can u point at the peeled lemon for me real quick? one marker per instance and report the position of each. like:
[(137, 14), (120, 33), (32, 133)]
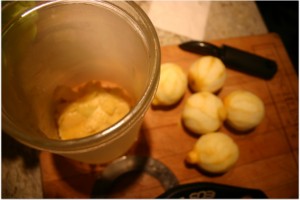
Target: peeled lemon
[(203, 112), (245, 110), (91, 110), (207, 74), (214, 152), (172, 85)]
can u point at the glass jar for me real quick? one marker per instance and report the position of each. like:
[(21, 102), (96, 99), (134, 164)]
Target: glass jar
[(49, 44)]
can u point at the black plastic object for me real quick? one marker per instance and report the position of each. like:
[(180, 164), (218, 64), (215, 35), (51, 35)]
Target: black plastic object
[(235, 58), (205, 190)]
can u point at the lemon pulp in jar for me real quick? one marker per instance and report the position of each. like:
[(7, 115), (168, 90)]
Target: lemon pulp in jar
[(89, 109)]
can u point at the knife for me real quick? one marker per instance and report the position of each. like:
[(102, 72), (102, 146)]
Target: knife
[(235, 59)]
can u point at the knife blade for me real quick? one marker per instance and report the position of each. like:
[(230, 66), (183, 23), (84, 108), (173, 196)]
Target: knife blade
[(235, 59)]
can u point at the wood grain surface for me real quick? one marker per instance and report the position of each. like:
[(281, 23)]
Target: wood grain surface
[(268, 154)]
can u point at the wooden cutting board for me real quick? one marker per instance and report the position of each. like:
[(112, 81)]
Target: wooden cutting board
[(268, 155)]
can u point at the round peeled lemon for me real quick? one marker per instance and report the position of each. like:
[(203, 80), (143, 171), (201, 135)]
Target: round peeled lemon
[(90, 110), (245, 110), (172, 85), (214, 152), (203, 112), (207, 74)]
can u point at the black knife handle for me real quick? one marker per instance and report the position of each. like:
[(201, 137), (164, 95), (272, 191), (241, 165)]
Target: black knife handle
[(248, 63), (204, 190)]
